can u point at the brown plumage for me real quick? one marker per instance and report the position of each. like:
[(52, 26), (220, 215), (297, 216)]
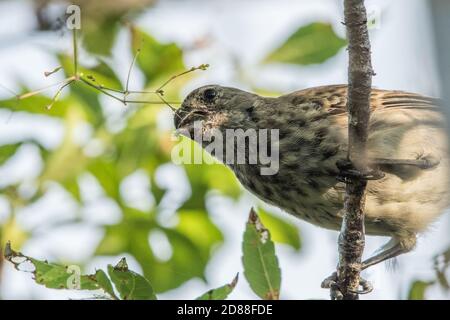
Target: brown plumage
[(407, 140)]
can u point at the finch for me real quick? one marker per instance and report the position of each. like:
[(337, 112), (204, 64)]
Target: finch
[(407, 141)]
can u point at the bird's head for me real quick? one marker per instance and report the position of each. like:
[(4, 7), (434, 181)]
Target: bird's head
[(218, 108)]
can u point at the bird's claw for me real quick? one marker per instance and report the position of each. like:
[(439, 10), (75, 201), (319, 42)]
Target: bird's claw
[(347, 172), (331, 283), (366, 287)]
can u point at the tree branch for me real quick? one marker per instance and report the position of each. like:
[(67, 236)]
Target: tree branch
[(351, 238)]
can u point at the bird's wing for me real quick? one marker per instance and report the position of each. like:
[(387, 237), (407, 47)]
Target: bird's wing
[(333, 99), (393, 114)]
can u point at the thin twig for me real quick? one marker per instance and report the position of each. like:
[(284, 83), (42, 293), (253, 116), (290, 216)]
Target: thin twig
[(99, 88), (91, 82), (200, 67), (131, 69), (122, 100), (167, 103), (38, 91), (49, 73), (58, 93), (127, 92)]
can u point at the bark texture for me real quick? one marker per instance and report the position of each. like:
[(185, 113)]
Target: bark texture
[(351, 239)]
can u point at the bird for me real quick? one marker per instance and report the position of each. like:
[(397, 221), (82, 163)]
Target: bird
[(407, 142)]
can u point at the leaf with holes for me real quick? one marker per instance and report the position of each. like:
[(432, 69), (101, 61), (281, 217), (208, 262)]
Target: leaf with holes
[(129, 284), (261, 267), (55, 276), (282, 230), (220, 293)]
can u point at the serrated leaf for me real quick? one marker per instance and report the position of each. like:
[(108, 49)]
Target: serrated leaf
[(310, 44), (55, 276), (220, 293), (281, 230), (129, 284), (261, 267), (105, 283)]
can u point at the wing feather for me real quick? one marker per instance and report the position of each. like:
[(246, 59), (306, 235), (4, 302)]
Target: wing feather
[(333, 99)]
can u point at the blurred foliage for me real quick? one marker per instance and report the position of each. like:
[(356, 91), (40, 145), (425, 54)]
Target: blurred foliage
[(101, 20), (442, 267), (310, 44), (7, 151), (418, 289), (140, 145), (156, 60)]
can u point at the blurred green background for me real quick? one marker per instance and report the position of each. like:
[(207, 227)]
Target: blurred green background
[(121, 155)]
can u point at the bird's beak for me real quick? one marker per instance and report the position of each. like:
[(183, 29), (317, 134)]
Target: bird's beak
[(177, 117), (184, 119), (180, 121)]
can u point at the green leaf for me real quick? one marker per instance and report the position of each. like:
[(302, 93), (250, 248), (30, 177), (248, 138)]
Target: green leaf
[(260, 262), (65, 163), (220, 293), (106, 173), (418, 289), (105, 283), (197, 226), (99, 35), (156, 60), (310, 44), (7, 151), (57, 276), (100, 74), (129, 284), (282, 231)]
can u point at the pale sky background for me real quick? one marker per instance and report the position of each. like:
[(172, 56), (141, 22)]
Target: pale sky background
[(245, 31)]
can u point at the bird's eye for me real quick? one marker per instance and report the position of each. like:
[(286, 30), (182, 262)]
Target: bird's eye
[(209, 94)]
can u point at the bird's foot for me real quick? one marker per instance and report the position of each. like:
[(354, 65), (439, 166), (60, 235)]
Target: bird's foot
[(347, 172), (331, 283)]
